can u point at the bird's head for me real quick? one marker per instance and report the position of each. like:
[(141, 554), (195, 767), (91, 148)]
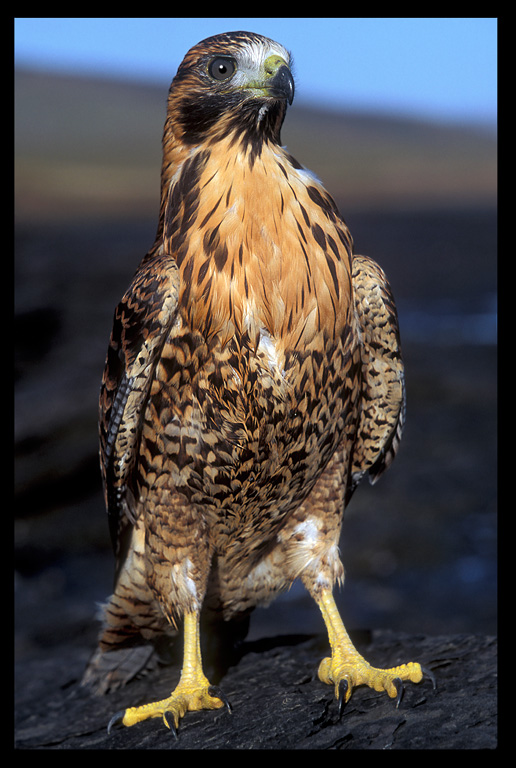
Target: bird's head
[(234, 82)]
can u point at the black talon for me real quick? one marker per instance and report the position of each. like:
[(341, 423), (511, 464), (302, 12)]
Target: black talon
[(117, 718), (431, 675), (217, 693), (398, 684), (343, 688), (170, 725)]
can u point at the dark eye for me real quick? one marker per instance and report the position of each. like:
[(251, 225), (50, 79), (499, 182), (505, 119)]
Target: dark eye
[(222, 68)]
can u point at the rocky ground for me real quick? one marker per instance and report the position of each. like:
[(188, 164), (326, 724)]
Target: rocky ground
[(277, 701)]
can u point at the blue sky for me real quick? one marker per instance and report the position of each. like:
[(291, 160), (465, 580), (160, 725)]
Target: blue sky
[(443, 68)]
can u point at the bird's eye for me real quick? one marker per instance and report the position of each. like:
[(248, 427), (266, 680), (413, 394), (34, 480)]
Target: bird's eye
[(222, 68)]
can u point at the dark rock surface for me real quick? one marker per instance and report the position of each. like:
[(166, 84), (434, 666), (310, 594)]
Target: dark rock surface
[(278, 701)]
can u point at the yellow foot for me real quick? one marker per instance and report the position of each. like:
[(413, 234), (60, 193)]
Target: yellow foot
[(355, 670), (347, 668), (185, 698), (192, 694)]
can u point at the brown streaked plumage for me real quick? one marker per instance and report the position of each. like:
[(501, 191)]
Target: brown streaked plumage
[(253, 377)]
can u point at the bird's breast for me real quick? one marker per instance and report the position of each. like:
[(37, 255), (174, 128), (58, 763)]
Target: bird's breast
[(254, 383), (259, 245)]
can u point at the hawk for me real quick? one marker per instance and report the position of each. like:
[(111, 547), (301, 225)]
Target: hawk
[(253, 377)]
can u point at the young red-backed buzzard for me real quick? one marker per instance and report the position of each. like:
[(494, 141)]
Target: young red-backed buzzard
[(253, 377)]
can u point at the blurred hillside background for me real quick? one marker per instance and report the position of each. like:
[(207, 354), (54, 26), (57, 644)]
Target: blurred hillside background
[(418, 192)]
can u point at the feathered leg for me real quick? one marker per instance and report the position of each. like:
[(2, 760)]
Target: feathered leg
[(313, 548), (177, 562)]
